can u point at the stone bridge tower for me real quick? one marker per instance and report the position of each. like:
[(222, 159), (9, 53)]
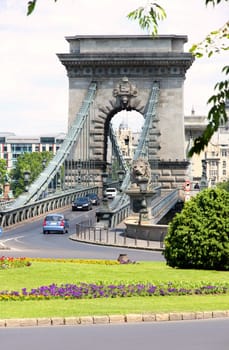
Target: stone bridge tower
[(125, 68)]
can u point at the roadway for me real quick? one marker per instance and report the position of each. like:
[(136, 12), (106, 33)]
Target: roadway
[(28, 240), (189, 335)]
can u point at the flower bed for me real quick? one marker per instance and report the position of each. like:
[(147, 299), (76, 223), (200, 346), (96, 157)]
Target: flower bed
[(10, 262), (92, 291)]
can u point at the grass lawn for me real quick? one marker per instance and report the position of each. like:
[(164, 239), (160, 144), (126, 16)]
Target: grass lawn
[(46, 273)]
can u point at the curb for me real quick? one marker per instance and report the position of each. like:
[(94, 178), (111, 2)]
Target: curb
[(127, 246), (112, 319)]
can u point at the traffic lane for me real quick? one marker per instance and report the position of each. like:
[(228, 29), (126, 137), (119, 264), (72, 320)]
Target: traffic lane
[(30, 235), (189, 335), (28, 240)]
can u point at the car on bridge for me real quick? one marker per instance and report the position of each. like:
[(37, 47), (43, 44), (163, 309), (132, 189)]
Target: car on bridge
[(82, 203), (110, 192), (55, 223), (94, 198)]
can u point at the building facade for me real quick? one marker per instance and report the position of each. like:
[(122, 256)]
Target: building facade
[(12, 146), (215, 155)]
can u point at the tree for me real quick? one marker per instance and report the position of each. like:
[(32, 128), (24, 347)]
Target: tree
[(32, 163), (148, 18), (3, 174), (198, 237), (223, 185)]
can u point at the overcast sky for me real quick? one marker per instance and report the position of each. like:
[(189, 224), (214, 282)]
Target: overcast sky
[(34, 85)]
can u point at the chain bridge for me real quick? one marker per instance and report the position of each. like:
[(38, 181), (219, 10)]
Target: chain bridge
[(109, 74)]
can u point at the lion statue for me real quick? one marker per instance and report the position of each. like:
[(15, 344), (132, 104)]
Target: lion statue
[(140, 169)]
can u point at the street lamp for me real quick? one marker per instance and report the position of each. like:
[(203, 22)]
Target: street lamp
[(104, 180), (44, 163), (26, 179), (120, 177), (203, 180), (143, 213), (79, 172)]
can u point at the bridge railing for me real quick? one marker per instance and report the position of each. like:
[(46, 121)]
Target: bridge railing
[(162, 205), (112, 216), (13, 216)]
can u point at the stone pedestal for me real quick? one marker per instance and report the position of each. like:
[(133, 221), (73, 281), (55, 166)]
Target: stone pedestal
[(136, 198), (6, 191), (146, 231)]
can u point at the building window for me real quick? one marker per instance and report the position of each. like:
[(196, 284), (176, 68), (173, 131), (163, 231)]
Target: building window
[(213, 173), (224, 153), (213, 163), (224, 164)]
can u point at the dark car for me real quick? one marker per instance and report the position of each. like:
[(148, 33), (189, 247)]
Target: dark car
[(93, 197), (55, 223), (82, 203)]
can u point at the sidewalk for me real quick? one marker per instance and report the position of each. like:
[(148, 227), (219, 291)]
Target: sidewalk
[(115, 237)]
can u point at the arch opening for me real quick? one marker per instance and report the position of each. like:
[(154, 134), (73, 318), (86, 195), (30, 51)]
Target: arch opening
[(127, 125)]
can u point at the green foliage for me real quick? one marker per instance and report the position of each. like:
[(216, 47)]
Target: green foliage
[(198, 237), (148, 17), (31, 162), (3, 171), (215, 42), (216, 116), (224, 185), (31, 6)]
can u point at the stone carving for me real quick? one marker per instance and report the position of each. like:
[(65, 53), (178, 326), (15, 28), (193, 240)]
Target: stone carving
[(124, 91), (140, 170)]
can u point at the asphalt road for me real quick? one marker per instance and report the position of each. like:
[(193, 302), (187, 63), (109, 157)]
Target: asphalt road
[(28, 240), (189, 335)]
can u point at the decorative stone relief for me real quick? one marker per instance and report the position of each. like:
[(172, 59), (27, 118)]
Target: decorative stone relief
[(123, 92)]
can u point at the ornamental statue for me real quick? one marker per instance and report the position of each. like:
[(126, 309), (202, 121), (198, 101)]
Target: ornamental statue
[(123, 92)]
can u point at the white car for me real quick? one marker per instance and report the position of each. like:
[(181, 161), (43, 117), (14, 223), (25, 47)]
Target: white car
[(111, 192)]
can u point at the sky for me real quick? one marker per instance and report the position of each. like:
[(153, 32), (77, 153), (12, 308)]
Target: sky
[(34, 84)]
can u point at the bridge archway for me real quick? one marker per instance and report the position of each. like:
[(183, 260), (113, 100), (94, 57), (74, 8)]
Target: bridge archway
[(124, 68)]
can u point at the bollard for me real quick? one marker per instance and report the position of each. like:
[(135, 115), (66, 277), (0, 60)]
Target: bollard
[(162, 240)]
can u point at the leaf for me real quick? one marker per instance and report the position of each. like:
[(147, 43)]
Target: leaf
[(31, 7)]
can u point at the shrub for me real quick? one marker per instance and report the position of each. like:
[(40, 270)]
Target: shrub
[(198, 237)]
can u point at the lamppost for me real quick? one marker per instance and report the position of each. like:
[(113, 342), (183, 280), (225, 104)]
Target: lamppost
[(104, 180), (143, 213), (203, 180), (120, 177), (79, 172), (105, 200), (26, 179), (44, 163)]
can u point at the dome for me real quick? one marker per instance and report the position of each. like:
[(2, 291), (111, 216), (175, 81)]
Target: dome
[(123, 125)]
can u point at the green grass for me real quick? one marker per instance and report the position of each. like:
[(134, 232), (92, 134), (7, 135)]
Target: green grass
[(44, 273)]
